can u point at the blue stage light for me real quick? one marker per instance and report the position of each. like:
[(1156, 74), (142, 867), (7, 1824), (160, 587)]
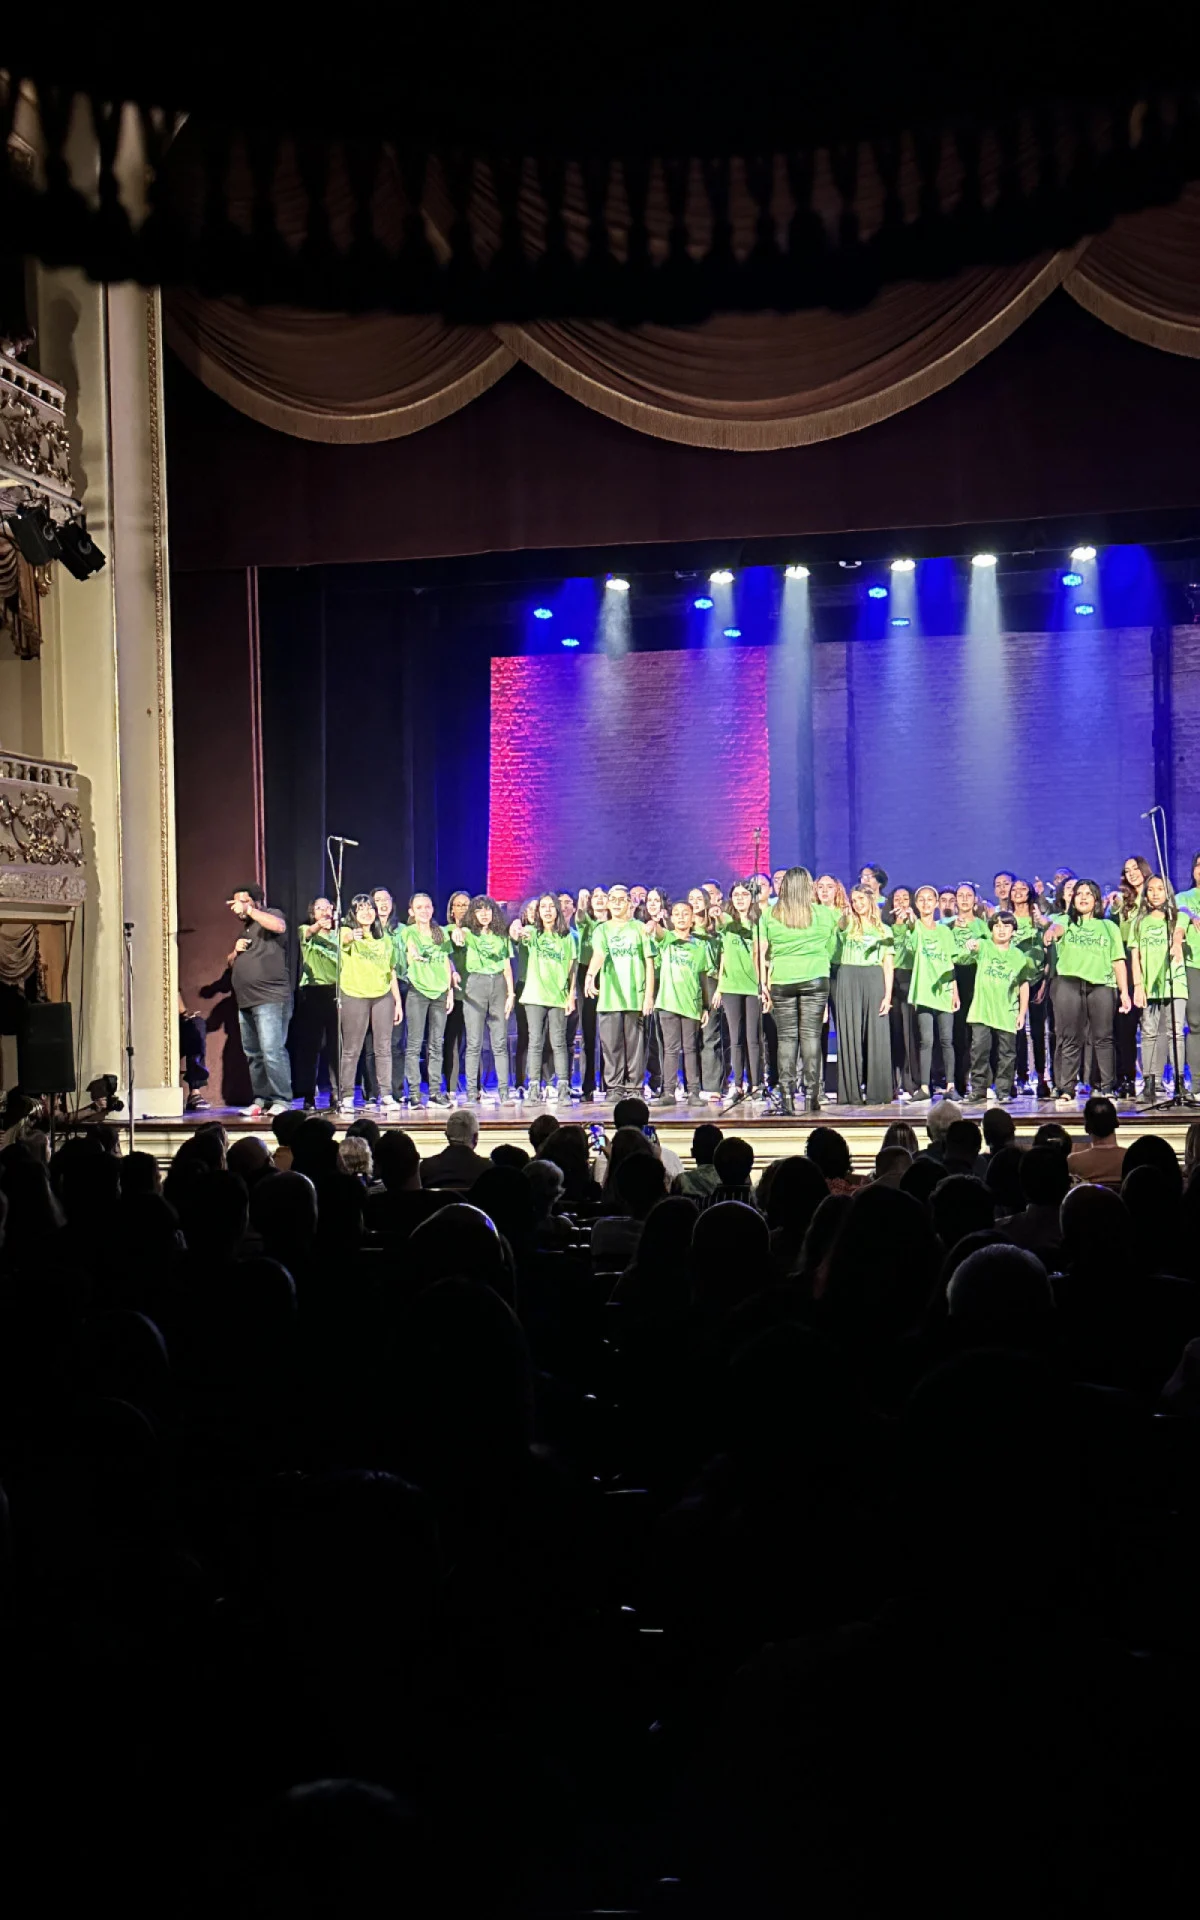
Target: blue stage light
[(617, 583), (721, 577), (877, 593), (702, 604), (904, 566), (901, 620), (1072, 579), (1083, 553), (542, 613), (798, 572), (1085, 606), (733, 633), (568, 642)]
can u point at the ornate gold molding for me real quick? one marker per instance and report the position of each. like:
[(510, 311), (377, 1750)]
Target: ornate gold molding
[(170, 1027), (41, 833)]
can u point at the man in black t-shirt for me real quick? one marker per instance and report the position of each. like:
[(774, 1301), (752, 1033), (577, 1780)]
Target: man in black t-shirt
[(262, 987)]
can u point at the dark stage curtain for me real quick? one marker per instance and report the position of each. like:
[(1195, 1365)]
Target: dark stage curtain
[(375, 725)]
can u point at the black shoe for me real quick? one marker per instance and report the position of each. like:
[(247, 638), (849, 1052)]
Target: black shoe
[(1149, 1092), (786, 1102), (813, 1103), (440, 1100)]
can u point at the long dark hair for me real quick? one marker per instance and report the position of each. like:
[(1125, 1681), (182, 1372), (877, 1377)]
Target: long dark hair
[(736, 923), (435, 931), (1169, 910), (1130, 894), (560, 926), (352, 920), (499, 923), (1073, 913)]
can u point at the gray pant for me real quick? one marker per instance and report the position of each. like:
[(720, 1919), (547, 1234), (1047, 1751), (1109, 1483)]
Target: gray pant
[(483, 1005), (357, 1016), (1193, 1024), (538, 1019), (864, 1038), (1156, 1037)]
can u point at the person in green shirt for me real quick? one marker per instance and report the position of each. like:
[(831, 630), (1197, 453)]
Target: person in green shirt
[(739, 994), (998, 1007), (707, 919), (863, 1003), (933, 989), (970, 932), (315, 1025), (518, 922), (1189, 902), (680, 960), (370, 999), (655, 912), (483, 945), (385, 912), (905, 1050), (431, 978), (1158, 929), (590, 911), (548, 993), (800, 934), (454, 1040), (1124, 904), (1090, 955), (620, 977), (1056, 917), (1031, 925)]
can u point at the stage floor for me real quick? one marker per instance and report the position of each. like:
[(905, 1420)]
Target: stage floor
[(773, 1134)]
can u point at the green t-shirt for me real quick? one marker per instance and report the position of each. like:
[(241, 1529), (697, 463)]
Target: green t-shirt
[(1190, 898), (549, 958), (1030, 938), (737, 951), (996, 999), (932, 981), (801, 953), (681, 961), (367, 966), (1087, 951), (623, 946), (427, 961), (902, 944), (585, 927), (1151, 939), (483, 952), (318, 958), (974, 930), (865, 949)]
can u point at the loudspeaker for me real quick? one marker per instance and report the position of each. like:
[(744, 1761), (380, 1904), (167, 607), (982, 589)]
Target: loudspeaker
[(46, 1048), (78, 551), (33, 531)]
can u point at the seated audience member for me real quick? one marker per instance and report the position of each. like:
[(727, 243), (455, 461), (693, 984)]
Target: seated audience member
[(920, 1180), (1103, 1159), (901, 1134), (703, 1177), (640, 1181), (891, 1165), (354, 1158), (942, 1116), (1154, 1199), (401, 1202), (632, 1112), (1002, 1177), (285, 1126), (460, 1239), (569, 1150), (250, 1158), (314, 1147), (960, 1205), (1045, 1182), (730, 1257), (733, 1163), (139, 1174), (507, 1155), (1191, 1153), (541, 1128), (657, 1283), (961, 1147), (1000, 1296), (999, 1130), (1151, 1150), (458, 1166), (796, 1191), (827, 1149), (1052, 1133), (546, 1183)]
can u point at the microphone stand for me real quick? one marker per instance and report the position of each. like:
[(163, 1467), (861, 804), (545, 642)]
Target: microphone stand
[(128, 925), (339, 841), (1177, 1098), (762, 1018)]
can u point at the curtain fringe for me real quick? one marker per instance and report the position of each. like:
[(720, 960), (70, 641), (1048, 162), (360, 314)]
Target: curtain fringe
[(1152, 330)]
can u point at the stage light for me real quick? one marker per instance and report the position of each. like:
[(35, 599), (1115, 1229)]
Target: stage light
[(901, 620), (983, 559), (616, 583), (568, 641), (78, 551), (798, 573), (721, 577), (849, 564), (1072, 579), (904, 566), (1083, 553), (877, 593), (733, 633), (1085, 606), (702, 603), (542, 613)]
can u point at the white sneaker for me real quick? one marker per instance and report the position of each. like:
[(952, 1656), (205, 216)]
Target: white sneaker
[(280, 1106), (489, 1099), (680, 1092), (388, 1103), (255, 1112), (552, 1092), (902, 1094), (992, 1097), (347, 1106)]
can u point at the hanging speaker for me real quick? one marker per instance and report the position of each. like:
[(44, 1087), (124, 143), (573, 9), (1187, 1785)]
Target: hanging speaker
[(46, 1048)]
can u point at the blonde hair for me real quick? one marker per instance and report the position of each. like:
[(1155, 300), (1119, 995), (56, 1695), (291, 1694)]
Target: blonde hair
[(860, 921), (354, 1156)]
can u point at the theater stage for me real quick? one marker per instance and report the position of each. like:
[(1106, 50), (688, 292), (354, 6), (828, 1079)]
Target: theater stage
[(772, 1134)]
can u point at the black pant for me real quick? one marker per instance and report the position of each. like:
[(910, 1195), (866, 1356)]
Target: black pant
[(370, 1080), (1040, 1032), (982, 1039), (1081, 1005), (1192, 1049), (799, 1017), (587, 1024), (680, 1037), (927, 1019), (454, 1047), (553, 1019), (359, 1015), (771, 1048), (712, 1042), (426, 1022), (864, 1038), (314, 1031), (654, 1054), (743, 1011), (961, 1062), (623, 1051), (904, 1032), (193, 1045), (1125, 1039), (483, 1004)]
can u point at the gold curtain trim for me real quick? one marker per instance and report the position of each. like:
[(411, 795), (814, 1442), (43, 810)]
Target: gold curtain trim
[(1151, 329), (798, 430), (334, 429)]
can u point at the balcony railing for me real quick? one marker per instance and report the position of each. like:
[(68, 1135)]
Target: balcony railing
[(41, 840)]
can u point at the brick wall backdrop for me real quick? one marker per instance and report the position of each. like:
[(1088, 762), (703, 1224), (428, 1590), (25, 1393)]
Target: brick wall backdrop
[(642, 766)]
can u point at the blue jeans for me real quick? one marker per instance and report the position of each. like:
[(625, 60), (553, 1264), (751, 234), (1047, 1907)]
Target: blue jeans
[(264, 1030)]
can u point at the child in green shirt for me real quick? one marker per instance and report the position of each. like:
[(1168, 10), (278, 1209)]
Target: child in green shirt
[(681, 959), (998, 1007), (1158, 930), (315, 1027), (482, 942), (430, 998), (548, 993), (370, 999)]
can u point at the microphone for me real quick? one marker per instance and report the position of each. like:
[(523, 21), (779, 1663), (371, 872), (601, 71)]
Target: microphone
[(1150, 813), (342, 840)]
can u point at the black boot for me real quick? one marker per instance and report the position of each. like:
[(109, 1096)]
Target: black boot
[(1149, 1091), (787, 1103)]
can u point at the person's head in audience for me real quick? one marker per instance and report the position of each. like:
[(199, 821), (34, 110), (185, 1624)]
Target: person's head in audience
[(625, 1142), (546, 1184), (211, 1130), (901, 1134), (364, 1128), (961, 1204), (250, 1159), (921, 1178), (796, 1191), (460, 1239), (1052, 1133), (731, 1246), (942, 1116), (640, 1181), (869, 1295), (1100, 1119), (314, 1147), (462, 1127), (1151, 1150), (1044, 1176), (287, 1124), (1153, 1198), (827, 1149), (398, 1163), (631, 1112), (891, 1165), (214, 1215), (354, 1157), (34, 1213), (504, 1195), (824, 1228), (508, 1155), (996, 1289), (734, 1161), (283, 1212), (462, 1384), (705, 1141), (569, 1149), (341, 1198), (540, 1129), (1191, 1153), (1002, 1178), (999, 1129), (140, 1174), (962, 1146), (1097, 1232)]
